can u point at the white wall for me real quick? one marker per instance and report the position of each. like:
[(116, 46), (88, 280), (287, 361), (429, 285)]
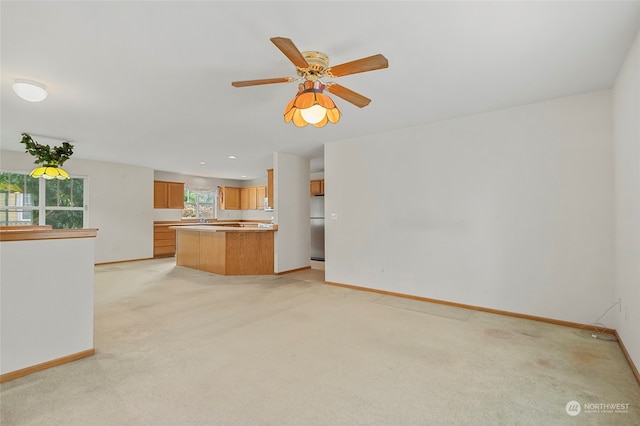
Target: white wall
[(120, 204), (46, 303), (510, 210), (626, 108), (291, 193)]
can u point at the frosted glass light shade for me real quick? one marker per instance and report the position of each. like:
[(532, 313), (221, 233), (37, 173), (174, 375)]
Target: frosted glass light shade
[(314, 114), (30, 90)]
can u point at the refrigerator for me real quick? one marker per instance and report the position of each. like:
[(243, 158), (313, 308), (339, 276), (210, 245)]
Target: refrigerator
[(317, 227)]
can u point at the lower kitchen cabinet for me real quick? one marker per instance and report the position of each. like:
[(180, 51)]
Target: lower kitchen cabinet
[(164, 241)]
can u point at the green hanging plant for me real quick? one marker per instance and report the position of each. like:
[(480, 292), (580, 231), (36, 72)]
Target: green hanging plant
[(44, 154)]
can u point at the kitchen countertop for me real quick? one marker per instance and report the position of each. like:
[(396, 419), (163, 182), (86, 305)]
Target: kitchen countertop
[(43, 233), (226, 227), (214, 223)]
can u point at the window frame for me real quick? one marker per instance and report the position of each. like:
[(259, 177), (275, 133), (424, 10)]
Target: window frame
[(42, 208), (197, 203)]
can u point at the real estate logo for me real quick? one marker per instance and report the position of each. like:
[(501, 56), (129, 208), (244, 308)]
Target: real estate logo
[(573, 408)]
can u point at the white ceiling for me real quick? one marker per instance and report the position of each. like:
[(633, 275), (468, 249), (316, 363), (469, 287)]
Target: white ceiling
[(149, 83)]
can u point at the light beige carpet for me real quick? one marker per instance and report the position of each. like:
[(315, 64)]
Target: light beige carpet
[(177, 346)]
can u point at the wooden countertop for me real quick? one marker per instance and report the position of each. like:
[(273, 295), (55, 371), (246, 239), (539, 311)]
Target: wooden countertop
[(46, 234)]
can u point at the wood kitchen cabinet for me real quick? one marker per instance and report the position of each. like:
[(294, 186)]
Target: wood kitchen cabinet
[(261, 193), (229, 198), (244, 198), (270, 198), (248, 198), (226, 251), (317, 187), (168, 195), (164, 241), (253, 202)]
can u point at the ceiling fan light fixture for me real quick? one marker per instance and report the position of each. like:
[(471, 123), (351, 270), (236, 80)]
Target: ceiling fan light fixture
[(311, 106), (30, 90)]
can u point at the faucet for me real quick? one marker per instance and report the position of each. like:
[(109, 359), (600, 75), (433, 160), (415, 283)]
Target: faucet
[(203, 220)]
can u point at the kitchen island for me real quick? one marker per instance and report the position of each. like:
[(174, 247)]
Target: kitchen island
[(226, 249)]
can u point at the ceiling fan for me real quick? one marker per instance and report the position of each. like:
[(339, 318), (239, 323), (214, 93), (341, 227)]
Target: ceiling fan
[(312, 66)]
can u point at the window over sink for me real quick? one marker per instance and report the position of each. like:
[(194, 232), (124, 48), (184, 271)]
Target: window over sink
[(198, 204)]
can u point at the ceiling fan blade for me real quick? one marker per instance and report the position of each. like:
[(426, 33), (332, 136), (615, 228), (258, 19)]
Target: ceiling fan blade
[(348, 95), (370, 63), (263, 81), (290, 51)]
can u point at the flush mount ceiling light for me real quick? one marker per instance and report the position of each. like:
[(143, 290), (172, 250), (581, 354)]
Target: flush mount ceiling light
[(311, 106), (30, 90)]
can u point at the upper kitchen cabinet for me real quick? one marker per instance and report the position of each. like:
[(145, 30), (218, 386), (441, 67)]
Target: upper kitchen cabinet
[(251, 198), (261, 194), (248, 198), (168, 195), (270, 197), (317, 187), (244, 198), (251, 195), (229, 198)]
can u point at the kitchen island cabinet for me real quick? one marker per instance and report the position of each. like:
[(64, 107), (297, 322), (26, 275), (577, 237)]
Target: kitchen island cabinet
[(226, 250)]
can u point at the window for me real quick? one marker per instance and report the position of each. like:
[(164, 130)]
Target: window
[(198, 204), (28, 201)]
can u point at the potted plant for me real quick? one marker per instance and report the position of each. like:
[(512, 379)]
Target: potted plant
[(51, 159)]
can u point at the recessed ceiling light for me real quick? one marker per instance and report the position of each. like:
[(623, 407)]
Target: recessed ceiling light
[(30, 90), (202, 163), (231, 157), (243, 176)]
